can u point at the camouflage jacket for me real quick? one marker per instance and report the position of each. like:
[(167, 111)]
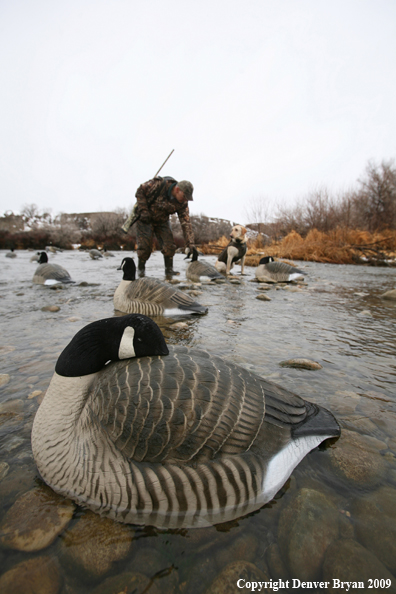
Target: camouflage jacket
[(154, 197)]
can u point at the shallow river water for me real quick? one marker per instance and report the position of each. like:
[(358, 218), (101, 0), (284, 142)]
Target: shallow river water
[(335, 519)]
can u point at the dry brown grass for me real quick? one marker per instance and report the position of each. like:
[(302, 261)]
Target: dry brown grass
[(340, 246)]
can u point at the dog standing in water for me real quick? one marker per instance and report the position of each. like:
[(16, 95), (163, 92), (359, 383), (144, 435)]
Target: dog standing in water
[(235, 251)]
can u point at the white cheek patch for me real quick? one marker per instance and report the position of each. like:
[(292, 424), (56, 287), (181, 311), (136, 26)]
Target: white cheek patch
[(126, 350)]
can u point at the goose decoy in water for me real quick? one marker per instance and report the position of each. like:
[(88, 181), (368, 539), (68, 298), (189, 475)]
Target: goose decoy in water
[(279, 272), (95, 254), (185, 439), (107, 254), (199, 270), (11, 254), (150, 296), (50, 274)]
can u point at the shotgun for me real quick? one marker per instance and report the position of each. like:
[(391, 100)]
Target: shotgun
[(134, 216)]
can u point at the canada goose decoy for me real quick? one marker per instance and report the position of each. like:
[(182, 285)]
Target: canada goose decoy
[(279, 272), (183, 440), (199, 270), (150, 296), (50, 274), (95, 254), (11, 254), (107, 254)]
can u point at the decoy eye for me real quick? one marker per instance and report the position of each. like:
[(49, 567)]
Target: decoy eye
[(139, 340)]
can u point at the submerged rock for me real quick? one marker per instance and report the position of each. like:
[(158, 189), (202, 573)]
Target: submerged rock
[(94, 544), (301, 364), (375, 524), (391, 295), (50, 308), (348, 561), (263, 297), (307, 526), (127, 583), (35, 520), (39, 575), (226, 581), (4, 379), (354, 459)]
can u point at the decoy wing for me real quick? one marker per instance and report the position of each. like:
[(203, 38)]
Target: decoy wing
[(282, 268), (147, 290), (186, 407), (51, 272)]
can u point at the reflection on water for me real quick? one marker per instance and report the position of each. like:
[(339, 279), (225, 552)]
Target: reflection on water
[(339, 502)]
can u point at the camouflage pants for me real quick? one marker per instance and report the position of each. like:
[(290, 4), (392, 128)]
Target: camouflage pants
[(145, 236)]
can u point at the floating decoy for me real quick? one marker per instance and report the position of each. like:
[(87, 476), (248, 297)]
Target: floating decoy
[(11, 254), (198, 270), (150, 296), (167, 436), (279, 272), (50, 274), (95, 254)]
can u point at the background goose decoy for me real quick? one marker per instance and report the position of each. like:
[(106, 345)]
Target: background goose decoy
[(184, 439), (150, 296), (279, 272), (11, 254), (35, 257), (198, 270), (50, 274), (95, 254)]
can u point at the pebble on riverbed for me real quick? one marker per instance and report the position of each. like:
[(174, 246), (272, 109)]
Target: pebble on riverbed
[(391, 295), (263, 297), (39, 575), (94, 544), (52, 308), (226, 580), (35, 520), (375, 524), (301, 364), (307, 526), (4, 379), (351, 562), (355, 458)]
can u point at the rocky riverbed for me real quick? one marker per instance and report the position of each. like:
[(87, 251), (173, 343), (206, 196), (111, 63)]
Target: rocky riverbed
[(335, 517)]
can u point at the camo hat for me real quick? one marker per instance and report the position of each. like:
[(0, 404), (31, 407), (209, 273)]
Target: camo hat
[(187, 188)]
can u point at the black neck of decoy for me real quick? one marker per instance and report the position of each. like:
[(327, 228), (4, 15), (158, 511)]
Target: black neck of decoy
[(128, 267), (43, 258)]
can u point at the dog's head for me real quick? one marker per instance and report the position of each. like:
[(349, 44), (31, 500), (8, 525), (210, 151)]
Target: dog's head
[(238, 233)]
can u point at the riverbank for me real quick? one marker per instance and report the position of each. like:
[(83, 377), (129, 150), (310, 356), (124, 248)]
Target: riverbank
[(341, 246)]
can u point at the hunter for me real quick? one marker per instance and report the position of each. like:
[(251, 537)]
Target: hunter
[(156, 200)]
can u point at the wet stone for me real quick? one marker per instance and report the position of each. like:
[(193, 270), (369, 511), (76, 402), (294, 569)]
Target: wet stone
[(307, 526), (375, 524), (349, 561), (263, 297), (34, 394), (39, 575), (52, 308), (201, 575), (226, 581), (127, 583), (180, 325), (275, 563), (4, 468), (390, 295), (35, 520), (243, 548), (94, 544), (301, 364), (4, 379), (355, 459)]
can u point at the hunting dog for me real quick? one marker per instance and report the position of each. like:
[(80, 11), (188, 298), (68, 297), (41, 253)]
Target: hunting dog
[(235, 251)]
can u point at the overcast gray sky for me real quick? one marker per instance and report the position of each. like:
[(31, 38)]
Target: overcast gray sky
[(259, 99)]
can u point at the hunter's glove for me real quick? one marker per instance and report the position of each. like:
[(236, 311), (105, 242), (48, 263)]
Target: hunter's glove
[(145, 217)]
